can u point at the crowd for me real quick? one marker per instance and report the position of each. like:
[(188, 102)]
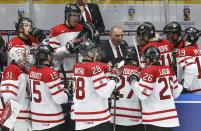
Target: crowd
[(73, 80)]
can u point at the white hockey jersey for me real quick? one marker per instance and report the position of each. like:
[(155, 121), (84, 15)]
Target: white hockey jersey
[(189, 69), (47, 94), (14, 86), (157, 88), (128, 111), (92, 90), (59, 36)]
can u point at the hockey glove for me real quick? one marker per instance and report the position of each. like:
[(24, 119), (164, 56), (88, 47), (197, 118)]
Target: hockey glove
[(38, 33), (114, 77), (90, 30), (115, 61), (115, 94), (73, 45), (133, 77), (68, 85)]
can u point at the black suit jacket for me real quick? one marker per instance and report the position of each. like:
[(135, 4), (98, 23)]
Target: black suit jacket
[(96, 17), (108, 52)]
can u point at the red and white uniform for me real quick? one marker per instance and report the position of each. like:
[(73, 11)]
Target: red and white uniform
[(92, 90), (47, 94), (128, 111), (59, 36), (157, 88), (14, 86), (165, 48), (189, 69)]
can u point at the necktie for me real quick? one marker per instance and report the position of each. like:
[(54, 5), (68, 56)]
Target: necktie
[(118, 51), (88, 18)]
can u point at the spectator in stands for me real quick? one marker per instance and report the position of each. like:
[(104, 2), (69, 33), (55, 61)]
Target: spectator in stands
[(91, 13), (115, 47), (14, 85)]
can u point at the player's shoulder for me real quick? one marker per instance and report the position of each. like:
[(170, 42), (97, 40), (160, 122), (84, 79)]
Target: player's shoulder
[(12, 71), (45, 74), (131, 69), (188, 51), (16, 41), (78, 27), (56, 30)]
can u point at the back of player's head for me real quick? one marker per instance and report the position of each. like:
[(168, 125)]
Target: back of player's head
[(146, 29), (71, 9), (191, 35), (22, 21), (90, 49), (173, 27), (131, 56), (19, 55), (152, 53), (43, 53)]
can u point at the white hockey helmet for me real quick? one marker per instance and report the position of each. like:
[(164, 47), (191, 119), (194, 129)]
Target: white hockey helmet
[(20, 55)]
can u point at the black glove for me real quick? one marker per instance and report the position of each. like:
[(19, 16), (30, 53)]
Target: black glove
[(115, 94), (133, 77), (2, 44), (38, 33), (91, 31), (114, 61), (73, 45), (68, 85), (114, 77)]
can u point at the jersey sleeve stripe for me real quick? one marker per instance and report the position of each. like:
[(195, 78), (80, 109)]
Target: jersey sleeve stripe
[(193, 90), (53, 42), (41, 114), (98, 119), (185, 59), (188, 65), (98, 79), (145, 94), (7, 84), (100, 86), (159, 112), (127, 109), (176, 87), (175, 81), (57, 92), (9, 91), (127, 116), (56, 85), (159, 119), (91, 113), (145, 86), (48, 121)]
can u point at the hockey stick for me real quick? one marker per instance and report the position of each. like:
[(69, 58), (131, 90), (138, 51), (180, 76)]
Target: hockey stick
[(135, 45), (114, 110)]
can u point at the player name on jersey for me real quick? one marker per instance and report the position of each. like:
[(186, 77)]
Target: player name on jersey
[(163, 48), (197, 52), (164, 71), (129, 71), (35, 75), (79, 71)]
